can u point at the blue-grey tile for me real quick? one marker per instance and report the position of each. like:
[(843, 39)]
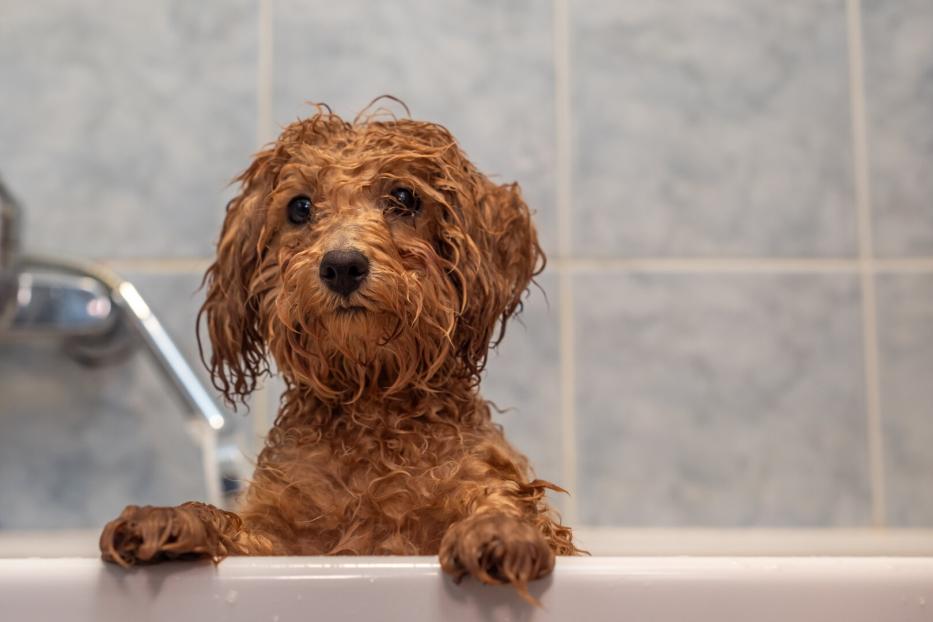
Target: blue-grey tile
[(523, 379), (711, 128), (483, 69), (720, 400), (898, 50), (78, 443), (905, 314), (123, 122)]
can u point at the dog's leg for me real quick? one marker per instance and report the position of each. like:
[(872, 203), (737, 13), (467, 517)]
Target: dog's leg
[(150, 534), (498, 543)]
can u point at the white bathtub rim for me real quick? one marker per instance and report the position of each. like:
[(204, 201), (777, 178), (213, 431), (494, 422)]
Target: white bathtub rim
[(602, 541)]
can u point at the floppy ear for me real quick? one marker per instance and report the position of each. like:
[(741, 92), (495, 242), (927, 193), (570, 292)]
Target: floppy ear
[(231, 307), (507, 257)]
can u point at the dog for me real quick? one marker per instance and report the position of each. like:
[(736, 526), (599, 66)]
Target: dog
[(376, 266)]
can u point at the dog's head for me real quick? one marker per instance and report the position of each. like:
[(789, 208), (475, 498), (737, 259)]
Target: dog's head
[(367, 258)]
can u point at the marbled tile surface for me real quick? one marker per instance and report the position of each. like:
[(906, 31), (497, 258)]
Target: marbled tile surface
[(483, 69), (711, 129), (78, 444), (898, 49), (123, 122), (905, 311), (720, 400), (523, 378)]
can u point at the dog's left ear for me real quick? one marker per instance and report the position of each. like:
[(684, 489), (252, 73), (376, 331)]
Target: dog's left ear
[(508, 257)]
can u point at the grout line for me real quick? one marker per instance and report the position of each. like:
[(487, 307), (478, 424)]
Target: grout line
[(743, 264), (690, 265), (156, 265), (563, 122), (911, 265), (564, 180), (568, 393), (866, 263), (264, 124)]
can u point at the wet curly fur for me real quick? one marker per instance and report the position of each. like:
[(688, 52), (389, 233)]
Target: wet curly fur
[(382, 444)]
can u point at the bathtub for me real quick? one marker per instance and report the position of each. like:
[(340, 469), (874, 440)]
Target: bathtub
[(748, 576)]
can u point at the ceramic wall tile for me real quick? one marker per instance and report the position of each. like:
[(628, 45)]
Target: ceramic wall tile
[(720, 400), (711, 129), (123, 123), (898, 51)]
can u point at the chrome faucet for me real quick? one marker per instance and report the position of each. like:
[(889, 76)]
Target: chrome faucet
[(102, 318)]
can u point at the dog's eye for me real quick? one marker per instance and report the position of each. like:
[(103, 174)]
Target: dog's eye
[(299, 210), (405, 200)]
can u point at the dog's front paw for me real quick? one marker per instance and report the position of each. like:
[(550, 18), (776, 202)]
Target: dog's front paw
[(496, 549), (150, 534)]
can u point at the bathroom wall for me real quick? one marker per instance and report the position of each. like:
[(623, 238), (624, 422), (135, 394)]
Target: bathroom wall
[(736, 323)]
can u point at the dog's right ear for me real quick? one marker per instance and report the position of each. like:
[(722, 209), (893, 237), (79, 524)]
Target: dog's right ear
[(231, 308)]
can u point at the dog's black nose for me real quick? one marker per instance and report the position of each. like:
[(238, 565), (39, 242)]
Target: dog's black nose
[(344, 271)]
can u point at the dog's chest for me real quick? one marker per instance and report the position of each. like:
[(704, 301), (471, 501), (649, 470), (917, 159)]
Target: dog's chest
[(374, 494), (411, 496)]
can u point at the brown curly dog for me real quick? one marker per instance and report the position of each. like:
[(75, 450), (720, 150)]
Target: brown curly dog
[(373, 263)]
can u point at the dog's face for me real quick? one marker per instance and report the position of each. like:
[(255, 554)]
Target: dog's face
[(367, 259)]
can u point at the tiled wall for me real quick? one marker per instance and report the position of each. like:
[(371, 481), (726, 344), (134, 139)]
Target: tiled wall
[(735, 197)]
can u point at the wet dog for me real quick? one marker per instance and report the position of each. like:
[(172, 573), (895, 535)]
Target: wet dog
[(375, 265)]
